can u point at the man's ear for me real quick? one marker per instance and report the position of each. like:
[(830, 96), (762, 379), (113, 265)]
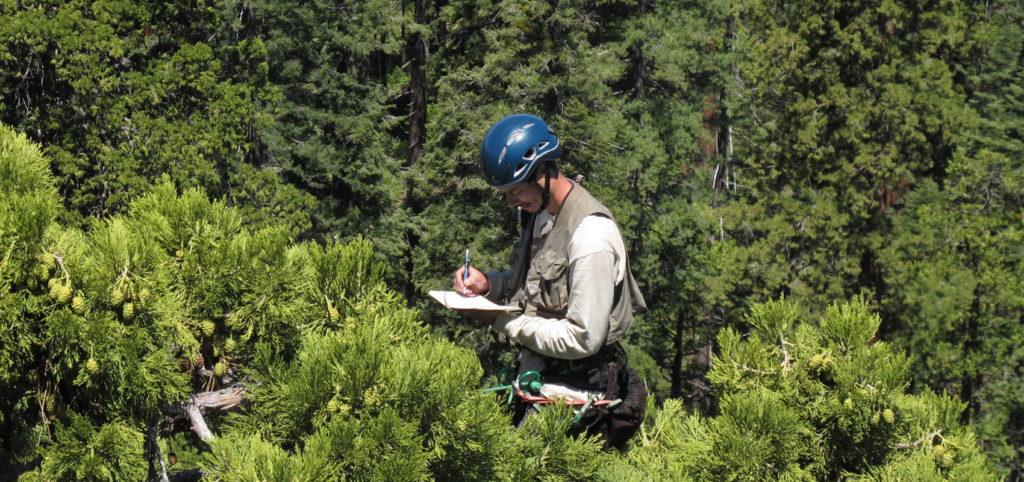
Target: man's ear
[(545, 169), (538, 175)]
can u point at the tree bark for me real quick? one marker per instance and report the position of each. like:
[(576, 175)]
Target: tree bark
[(417, 55), (154, 447), (199, 403)]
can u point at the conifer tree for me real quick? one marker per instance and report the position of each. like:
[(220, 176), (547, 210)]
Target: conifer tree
[(336, 129), (119, 327), (951, 266), (807, 399), (145, 316), (28, 205), (838, 108), (121, 93), (656, 176)]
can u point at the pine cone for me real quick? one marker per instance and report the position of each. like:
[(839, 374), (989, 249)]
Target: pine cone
[(92, 366), (78, 305), (64, 293)]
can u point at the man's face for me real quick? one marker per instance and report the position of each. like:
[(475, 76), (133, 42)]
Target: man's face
[(526, 195)]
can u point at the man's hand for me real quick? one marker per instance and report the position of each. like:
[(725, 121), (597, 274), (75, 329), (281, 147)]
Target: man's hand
[(476, 282)]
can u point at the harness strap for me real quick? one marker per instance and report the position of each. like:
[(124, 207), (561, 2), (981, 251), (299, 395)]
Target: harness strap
[(539, 400)]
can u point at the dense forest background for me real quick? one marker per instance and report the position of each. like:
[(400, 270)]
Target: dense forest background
[(230, 189)]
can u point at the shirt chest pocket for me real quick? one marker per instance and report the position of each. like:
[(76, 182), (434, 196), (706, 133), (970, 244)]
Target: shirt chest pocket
[(552, 277)]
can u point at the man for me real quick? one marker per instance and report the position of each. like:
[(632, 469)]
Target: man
[(569, 274)]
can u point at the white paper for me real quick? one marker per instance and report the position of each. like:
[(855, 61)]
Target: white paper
[(455, 301)]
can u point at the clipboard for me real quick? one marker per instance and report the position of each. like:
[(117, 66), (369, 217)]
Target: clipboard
[(453, 300)]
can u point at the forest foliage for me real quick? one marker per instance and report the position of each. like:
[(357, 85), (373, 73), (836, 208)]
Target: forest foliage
[(822, 202)]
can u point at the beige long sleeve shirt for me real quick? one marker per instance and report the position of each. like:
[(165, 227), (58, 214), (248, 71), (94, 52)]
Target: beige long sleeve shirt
[(597, 263)]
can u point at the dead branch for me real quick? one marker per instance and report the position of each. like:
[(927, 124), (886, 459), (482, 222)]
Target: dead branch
[(913, 445), (217, 401)]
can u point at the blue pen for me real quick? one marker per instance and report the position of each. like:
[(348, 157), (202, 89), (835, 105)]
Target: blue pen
[(465, 272)]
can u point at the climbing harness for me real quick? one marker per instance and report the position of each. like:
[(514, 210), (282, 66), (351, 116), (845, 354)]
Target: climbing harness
[(527, 387), (613, 420)]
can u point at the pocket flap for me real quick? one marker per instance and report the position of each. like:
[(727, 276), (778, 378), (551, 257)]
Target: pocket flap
[(551, 265)]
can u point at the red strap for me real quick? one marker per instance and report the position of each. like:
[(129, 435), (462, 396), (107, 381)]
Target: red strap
[(545, 400)]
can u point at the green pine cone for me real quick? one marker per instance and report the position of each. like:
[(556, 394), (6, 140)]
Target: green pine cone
[(128, 311), (220, 369), (54, 289), (208, 327), (92, 366), (46, 261), (116, 297), (64, 293), (817, 361), (78, 304), (41, 272), (888, 415), (947, 460)]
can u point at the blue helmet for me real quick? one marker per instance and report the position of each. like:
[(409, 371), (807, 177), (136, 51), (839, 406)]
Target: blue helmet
[(514, 147)]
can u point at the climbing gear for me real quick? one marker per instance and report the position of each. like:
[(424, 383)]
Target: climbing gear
[(615, 417), (514, 148), (530, 381), (527, 388), (617, 424)]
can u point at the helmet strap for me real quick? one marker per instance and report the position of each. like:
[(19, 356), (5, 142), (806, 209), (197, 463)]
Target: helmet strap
[(546, 192)]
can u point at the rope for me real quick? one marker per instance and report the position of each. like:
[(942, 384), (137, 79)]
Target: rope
[(532, 381)]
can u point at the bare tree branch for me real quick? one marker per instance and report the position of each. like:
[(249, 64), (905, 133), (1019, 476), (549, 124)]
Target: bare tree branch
[(199, 403)]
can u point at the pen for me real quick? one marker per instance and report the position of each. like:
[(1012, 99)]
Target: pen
[(465, 272)]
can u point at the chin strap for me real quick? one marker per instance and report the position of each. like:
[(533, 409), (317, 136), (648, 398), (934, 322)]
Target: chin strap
[(548, 169)]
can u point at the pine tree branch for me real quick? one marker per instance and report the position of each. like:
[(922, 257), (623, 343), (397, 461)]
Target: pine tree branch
[(199, 403), (759, 372), (123, 274), (927, 438), (151, 439), (786, 360), (195, 414)]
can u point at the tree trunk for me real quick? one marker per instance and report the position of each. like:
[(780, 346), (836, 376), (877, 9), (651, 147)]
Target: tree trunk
[(416, 56), (416, 49)]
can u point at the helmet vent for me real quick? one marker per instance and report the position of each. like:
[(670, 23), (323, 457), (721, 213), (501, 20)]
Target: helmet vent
[(530, 153), (520, 168)]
